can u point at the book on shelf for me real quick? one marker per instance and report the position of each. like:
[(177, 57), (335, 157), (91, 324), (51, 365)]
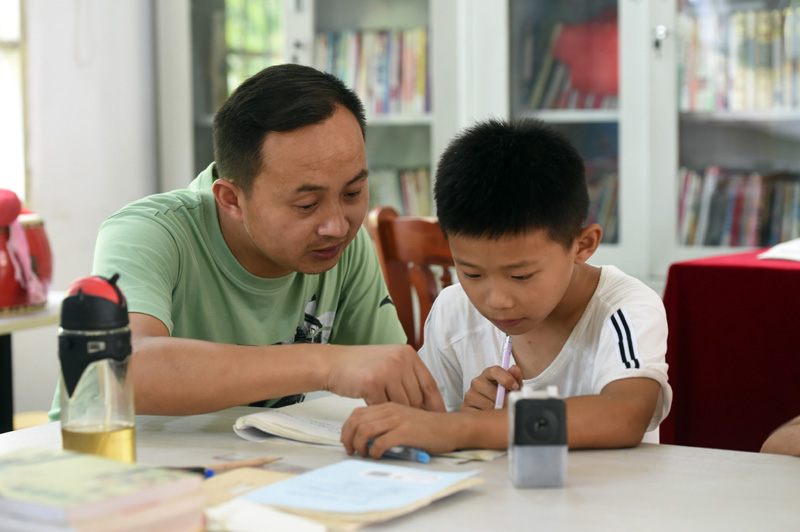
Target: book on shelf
[(378, 92), (763, 65), (685, 181), (718, 204), (776, 58), (603, 204), (752, 209), (706, 193), (609, 217), (49, 490), (558, 82), (691, 207), (750, 54), (731, 229), (537, 92)]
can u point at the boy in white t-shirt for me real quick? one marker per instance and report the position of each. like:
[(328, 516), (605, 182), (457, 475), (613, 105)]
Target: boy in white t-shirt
[(512, 200)]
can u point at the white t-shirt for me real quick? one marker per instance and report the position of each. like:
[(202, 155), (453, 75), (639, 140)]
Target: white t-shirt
[(622, 334)]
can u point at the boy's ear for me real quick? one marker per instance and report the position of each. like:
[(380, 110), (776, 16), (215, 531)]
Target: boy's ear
[(587, 242), (227, 195)]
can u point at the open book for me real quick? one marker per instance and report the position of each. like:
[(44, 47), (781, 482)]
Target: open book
[(319, 421)]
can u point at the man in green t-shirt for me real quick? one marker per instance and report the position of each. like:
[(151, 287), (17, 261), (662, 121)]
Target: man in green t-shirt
[(258, 281)]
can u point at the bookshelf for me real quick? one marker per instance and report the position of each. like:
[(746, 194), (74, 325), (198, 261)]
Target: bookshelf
[(678, 109), (734, 71), (383, 49), (485, 59)]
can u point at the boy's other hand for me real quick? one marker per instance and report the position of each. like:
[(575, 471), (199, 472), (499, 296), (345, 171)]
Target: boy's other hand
[(383, 373), (391, 424), (483, 388)]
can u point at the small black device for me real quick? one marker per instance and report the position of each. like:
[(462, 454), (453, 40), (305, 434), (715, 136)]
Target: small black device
[(537, 438)]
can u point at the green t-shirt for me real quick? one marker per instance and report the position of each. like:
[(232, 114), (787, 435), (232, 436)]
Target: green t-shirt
[(174, 265)]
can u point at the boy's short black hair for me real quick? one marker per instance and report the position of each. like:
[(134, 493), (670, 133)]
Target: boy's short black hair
[(501, 178), (279, 98)]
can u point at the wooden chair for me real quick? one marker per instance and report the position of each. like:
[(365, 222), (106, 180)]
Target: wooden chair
[(408, 246)]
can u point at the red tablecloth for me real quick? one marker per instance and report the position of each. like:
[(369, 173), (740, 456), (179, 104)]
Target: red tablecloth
[(733, 350)]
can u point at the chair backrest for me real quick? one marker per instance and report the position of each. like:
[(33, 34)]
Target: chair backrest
[(407, 248)]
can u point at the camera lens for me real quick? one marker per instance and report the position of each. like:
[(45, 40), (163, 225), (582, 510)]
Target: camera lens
[(542, 426)]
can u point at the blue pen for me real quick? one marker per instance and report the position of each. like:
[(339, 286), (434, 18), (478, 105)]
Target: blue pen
[(402, 452), (206, 472)]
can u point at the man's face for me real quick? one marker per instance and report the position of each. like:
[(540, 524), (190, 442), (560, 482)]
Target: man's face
[(516, 282), (309, 200)]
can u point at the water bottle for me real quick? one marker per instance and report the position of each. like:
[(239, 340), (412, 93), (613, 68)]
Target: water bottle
[(94, 347)]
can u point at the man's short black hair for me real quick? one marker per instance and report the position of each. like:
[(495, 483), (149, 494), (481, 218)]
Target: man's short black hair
[(501, 178), (279, 98)]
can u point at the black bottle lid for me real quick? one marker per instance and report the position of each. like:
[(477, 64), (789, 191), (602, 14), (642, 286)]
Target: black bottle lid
[(94, 304), (94, 321)]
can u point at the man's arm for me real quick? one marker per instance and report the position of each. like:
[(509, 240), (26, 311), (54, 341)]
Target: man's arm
[(617, 417), (177, 376), (785, 439)]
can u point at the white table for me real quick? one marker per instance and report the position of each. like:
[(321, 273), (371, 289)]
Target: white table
[(49, 315), (650, 487)]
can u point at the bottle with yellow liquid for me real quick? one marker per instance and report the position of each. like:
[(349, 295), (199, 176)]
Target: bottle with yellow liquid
[(94, 347)]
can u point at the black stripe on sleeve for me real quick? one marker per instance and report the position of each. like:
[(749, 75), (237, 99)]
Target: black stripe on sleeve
[(631, 350), (620, 341)]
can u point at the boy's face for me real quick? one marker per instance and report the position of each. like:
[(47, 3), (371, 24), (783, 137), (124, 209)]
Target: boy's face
[(309, 200), (516, 282)]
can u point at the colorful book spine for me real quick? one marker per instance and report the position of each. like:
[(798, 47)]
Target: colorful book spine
[(388, 69), (745, 59)]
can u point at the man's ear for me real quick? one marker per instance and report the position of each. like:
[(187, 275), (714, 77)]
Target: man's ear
[(227, 195), (587, 242)]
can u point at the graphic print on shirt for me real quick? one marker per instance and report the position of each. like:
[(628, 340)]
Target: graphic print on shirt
[(315, 329), (626, 342)]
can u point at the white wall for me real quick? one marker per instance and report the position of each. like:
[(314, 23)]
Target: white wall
[(91, 145)]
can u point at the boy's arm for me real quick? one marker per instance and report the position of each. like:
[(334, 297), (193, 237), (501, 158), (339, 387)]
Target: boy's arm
[(178, 376), (785, 439), (617, 417)]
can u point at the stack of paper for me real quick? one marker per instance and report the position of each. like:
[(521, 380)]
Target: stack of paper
[(46, 490)]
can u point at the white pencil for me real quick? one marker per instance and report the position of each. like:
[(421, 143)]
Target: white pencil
[(501, 391)]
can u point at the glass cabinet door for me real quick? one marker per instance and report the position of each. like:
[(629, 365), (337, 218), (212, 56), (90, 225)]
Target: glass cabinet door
[(564, 59), (381, 49), (231, 41), (738, 70)]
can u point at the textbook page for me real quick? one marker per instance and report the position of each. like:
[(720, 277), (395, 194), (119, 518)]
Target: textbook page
[(320, 421)]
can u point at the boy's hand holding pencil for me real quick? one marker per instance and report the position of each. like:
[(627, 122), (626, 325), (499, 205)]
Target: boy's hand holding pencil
[(482, 393)]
